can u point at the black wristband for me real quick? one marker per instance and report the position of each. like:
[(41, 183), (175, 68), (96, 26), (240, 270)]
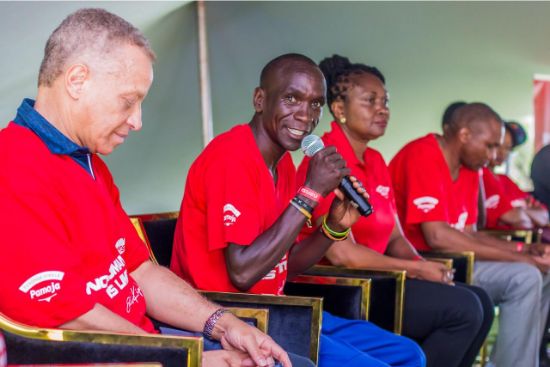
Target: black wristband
[(296, 200)]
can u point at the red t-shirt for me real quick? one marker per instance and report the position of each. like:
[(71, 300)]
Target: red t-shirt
[(67, 244), (230, 197), (373, 231), (425, 192), (497, 200), (518, 197)]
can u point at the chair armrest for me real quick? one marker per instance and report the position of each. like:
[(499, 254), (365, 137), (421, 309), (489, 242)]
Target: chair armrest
[(448, 262), (345, 297), (259, 316), (31, 345), (387, 292), (463, 263), (294, 322), (523, 235)]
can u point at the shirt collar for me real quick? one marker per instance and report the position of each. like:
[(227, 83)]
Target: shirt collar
[(56, 142), (339, 138)]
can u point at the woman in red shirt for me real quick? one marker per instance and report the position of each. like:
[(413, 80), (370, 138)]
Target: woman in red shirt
[(450, 323)]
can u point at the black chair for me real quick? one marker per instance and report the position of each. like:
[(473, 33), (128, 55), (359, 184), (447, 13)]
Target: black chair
[(387, 292), (157, 231), (344, 297), (31, 345), (462, 263), (294, 322)]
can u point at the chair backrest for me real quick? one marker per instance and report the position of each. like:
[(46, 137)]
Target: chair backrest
[(30, 345), (344, 297), (158, 229), (387, 292), (294, 322)]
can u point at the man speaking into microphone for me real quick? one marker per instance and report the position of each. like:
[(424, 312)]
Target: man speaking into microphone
[(241, 212)]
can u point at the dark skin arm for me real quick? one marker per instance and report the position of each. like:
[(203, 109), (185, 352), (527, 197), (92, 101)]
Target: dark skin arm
[(399, 255), (246, 265), (441, 236), (517, 218)]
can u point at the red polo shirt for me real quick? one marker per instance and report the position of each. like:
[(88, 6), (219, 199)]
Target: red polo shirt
[(230, 197), (497, 200), (516, 195), (373, 231), (425, 192), (67, 244)]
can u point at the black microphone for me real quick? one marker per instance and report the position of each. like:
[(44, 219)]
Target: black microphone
[(311, 144)]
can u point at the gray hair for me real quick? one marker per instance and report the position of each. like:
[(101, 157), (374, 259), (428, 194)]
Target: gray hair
[(86, 30)]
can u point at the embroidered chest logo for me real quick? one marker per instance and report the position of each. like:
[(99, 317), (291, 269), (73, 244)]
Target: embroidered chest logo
[(461, 222), (117, 278), (492, 201), (384, 191), (43, 286), (425, 203), (230, 215)]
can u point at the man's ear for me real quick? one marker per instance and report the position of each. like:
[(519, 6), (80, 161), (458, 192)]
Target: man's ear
[(464, 135), (337, 108), (75, 77), (258, 99)]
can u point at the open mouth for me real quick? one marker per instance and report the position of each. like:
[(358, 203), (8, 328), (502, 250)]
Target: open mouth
[(296, 132)]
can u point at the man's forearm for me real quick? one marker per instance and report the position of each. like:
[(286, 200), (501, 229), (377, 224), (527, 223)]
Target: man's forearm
[(172, 300), (307, 253), (450, 239), (101, 318)]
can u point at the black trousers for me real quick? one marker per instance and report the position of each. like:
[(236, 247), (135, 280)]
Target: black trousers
[(450, 323)]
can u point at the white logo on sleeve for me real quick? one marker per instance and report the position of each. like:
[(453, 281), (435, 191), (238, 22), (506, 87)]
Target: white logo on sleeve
[(43, 286), (383, 191), (425, 203), (461, 222), (230, 215), (492, 201), (121, 245)]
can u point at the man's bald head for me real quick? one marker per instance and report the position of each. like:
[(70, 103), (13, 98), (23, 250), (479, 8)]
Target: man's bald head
[(470, 115), (282, 64)]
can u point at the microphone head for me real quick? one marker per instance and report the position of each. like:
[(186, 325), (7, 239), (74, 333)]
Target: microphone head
[(311, 144)]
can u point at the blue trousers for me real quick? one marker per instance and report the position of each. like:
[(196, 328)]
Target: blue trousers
[(356, 343)]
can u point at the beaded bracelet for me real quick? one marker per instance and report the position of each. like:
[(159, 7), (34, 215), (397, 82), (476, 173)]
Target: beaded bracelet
[(211, 322), (331, 234)]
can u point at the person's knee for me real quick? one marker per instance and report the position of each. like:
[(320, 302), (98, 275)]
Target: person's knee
[(525, 279)]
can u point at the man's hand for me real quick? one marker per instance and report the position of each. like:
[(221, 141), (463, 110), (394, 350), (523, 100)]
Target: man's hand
[(225, 358), (342, 213), (542, 263), (539, 249), (234, 334), (434, 272), (326, 170)]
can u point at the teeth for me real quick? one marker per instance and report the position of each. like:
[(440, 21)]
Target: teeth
[(296, 132)]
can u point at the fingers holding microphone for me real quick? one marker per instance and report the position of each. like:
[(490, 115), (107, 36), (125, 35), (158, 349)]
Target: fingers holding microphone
[(327, 171)]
